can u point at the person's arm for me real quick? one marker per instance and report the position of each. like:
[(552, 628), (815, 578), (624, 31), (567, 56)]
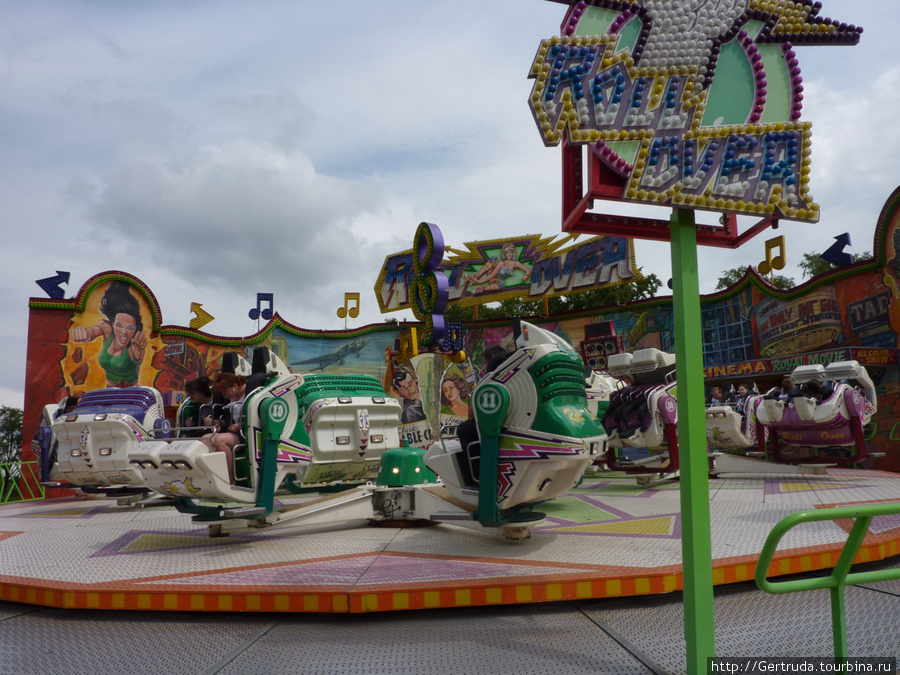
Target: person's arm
[(88, 333), (137, 347)]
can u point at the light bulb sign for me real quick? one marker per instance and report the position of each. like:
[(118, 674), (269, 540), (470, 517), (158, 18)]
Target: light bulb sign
[(688, 104), (530, 268), (429, 286)]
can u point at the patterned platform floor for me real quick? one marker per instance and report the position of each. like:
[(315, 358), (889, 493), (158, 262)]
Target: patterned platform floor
[(608, 538)]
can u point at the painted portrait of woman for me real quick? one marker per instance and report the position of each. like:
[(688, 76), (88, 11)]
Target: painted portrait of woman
[(124, 342), (454, 396), (497, 274)]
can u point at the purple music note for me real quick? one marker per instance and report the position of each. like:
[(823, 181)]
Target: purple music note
[(260, 299)]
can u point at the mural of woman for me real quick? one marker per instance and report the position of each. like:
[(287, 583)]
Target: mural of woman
[(123, 340), (454, 396), (496, 274)]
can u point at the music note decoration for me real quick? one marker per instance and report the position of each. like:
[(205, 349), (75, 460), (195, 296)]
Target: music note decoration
[(257, 311), (773, 262), (454, 344), (51, 285), (346, 310), (202, 317)]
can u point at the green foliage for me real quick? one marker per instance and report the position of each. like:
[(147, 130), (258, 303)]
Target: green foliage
[(730, 277), (602, 297), (10, 434), (10, 453), (812, 265)]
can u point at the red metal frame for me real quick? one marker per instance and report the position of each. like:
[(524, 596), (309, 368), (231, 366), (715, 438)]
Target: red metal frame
[(604, 183)]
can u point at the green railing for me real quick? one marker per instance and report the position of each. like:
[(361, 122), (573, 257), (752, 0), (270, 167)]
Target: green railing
[(840, 577), (20, 482)]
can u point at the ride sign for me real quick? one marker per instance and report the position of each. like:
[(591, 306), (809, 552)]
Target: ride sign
[(644, 96)]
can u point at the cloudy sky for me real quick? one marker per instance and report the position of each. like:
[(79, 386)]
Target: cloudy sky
[(217, 149)]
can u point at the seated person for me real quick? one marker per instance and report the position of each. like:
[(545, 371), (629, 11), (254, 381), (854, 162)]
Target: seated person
[(788, 389), (813, 390), (233, 387), (716, 396), (744, 389), (199, 393)]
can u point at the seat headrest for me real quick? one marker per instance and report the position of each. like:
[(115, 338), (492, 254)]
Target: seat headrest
[(809, 373), (260, 362)]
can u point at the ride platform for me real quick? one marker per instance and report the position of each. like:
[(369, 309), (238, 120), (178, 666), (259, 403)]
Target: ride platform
[(607, 538)]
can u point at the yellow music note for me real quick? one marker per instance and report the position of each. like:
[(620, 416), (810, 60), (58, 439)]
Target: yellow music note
[(346, 310), (773, 262)]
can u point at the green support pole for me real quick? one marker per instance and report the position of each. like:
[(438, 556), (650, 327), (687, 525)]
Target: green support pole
[(696, 543), (272, 426), (491, 406), (841, 570)]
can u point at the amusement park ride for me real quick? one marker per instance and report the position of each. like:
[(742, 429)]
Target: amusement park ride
[(800, 431), (643, 413), (544, 415), (87, 445), (334, 434)]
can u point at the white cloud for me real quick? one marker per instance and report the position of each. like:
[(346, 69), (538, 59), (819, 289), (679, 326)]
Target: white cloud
[(216, 149)]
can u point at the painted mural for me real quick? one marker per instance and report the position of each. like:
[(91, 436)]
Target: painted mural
[(111, 334)]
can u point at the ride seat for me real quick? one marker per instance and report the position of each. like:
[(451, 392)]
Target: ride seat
[(137, 402), (612, 414), (619, 364), (628, 419), (259, 373), (843, 370), (243, 467), (217, 409), (815, 372), (651, 359), (750, 407), (805, 407), (341, 412), (234, 363), (470, 463), (773, 410)]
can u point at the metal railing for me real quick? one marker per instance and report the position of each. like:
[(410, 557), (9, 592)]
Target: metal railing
[(840, 576), (20, 482)]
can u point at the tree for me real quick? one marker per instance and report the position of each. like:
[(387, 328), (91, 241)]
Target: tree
[(730, 277), (10, 453), (812, 265), (602, 297), (10, 434)]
